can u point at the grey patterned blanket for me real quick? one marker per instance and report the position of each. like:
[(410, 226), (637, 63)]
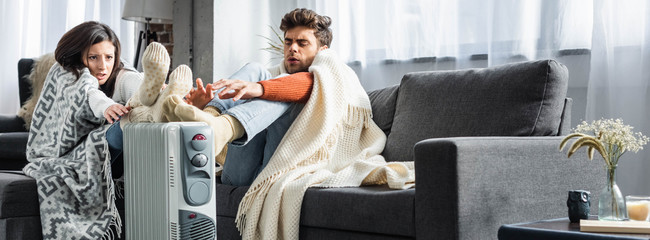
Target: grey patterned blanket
[(69, 159)]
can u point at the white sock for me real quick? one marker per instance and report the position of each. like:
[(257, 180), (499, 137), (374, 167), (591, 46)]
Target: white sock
[(180, 83), (155, 64)]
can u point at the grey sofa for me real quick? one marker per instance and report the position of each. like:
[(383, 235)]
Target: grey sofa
[(485, 146)]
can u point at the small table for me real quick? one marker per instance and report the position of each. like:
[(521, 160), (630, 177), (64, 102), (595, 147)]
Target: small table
[(559, 228)]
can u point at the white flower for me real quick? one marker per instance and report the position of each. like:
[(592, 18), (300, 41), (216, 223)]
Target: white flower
[(611, 138)]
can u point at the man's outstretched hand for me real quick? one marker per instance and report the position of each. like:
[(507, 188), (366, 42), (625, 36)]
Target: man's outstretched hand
[(232, 88), (200, 97), (238, 89)]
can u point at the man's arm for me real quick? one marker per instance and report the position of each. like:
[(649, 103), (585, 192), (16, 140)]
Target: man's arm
[(292, 88)]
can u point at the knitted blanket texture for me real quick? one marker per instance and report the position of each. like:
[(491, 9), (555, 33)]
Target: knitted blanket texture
[(332, 143), (68, 157)]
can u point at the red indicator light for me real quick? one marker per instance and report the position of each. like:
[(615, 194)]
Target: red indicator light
[(199, 137), (192, 215)]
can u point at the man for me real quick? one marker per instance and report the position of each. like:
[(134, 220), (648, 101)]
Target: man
[(281, 147), (263, 104)]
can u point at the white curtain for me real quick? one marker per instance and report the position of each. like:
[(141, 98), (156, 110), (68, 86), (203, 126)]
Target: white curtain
[(31, 28), (382, 38), (619, 79), (602, 42)]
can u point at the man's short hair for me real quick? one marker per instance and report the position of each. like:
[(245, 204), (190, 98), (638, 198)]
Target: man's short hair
[(310, 19)]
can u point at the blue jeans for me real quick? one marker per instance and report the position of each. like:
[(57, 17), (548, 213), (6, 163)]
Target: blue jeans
[(265, 123), (114, 139)]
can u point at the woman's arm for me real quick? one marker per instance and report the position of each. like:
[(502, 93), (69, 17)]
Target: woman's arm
[(127, 83), (103, 106)]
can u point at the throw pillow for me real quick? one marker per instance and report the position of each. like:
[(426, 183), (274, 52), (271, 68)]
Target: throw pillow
[(36, 78), (383, 106), (518, 99)]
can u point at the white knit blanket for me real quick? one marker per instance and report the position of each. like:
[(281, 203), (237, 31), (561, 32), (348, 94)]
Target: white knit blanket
[(332, 143), (68, 157)]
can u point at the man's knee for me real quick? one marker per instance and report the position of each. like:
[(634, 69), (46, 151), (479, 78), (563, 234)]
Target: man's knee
[(253, 66), (252, 72)]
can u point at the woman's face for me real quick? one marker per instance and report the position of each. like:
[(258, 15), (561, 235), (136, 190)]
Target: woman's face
[(100, 60)]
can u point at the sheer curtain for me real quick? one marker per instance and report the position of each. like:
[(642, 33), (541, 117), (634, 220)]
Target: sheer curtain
[(388, 38), (31, 28), (602, 42), (619, 79)]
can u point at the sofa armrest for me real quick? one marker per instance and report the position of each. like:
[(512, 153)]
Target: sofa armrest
[(468, 187), (11, 123)]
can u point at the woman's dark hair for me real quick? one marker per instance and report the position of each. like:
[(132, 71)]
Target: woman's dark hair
[(308, 18), (77, 42)]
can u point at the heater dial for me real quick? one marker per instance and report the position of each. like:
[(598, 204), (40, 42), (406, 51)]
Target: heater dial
[(199, 160)]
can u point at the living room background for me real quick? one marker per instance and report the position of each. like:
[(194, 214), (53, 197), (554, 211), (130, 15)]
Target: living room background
[(602, 42)]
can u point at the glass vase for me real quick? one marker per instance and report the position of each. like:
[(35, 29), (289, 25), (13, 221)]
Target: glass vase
[(611, 204)]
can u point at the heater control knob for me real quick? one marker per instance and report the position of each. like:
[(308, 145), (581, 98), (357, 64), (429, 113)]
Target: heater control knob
[(199, 160), (199, 142)]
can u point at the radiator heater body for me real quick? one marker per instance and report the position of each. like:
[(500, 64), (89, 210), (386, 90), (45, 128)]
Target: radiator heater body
[(169, 182)]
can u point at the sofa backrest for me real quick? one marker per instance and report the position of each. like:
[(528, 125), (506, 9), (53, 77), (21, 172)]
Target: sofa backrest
[(518, 99), (25, 66)]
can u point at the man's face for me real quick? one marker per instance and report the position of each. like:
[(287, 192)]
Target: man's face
[(300, 48)]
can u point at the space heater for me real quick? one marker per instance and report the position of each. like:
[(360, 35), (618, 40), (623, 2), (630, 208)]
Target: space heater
[(169, 187)]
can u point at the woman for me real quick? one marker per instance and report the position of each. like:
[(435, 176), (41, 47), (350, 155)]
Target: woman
[(68, 139), (95, 46), (67, 145)]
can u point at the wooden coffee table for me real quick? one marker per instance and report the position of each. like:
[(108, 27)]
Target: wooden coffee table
[(560, 229)]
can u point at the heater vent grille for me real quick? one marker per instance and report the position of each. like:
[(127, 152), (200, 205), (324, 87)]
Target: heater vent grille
[(173, 227), (198, 230)]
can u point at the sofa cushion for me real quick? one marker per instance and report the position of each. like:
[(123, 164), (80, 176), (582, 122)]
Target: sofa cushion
[(228, 198), (18, 195), (369, 209), (519, 99), (383, 102)]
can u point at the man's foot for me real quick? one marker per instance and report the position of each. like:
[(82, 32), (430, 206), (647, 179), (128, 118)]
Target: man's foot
[(225, 128), (180, 83), (212, 111), (136, 115), (169, 104)]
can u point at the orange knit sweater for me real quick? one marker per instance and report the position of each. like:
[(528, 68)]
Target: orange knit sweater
[(293, 88)]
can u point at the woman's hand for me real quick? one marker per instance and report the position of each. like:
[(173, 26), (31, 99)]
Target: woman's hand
[(115, 111), (200, 96), (238, 89)]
